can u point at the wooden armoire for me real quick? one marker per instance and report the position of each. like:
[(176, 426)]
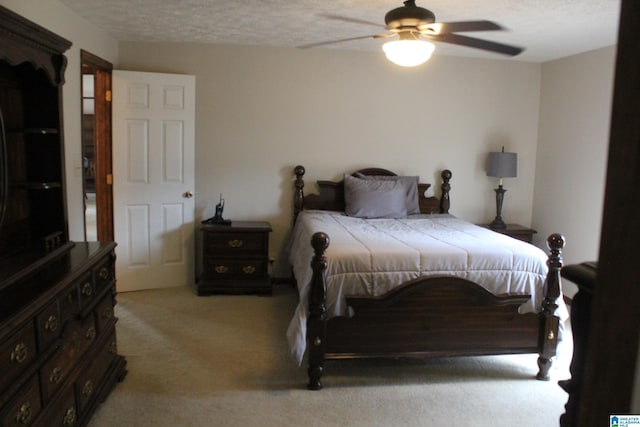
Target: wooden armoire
[(58, 351)]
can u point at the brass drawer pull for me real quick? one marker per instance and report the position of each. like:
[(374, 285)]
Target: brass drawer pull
[(221, 269), (91, 333), (103, 273), (69, 417), (56, 375), (23, 416), (107, 313), (248, 269), (20, 353), (51, 324), (87, 289), (235, 243), (113, 348), (87, 389)]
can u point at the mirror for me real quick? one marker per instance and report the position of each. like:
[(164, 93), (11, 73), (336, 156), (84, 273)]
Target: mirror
[(88, 154)]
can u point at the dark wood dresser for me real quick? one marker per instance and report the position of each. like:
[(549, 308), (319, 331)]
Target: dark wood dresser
[(58, 352), (235, 258)]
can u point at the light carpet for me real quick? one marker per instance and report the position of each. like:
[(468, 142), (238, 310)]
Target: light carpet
[(223, 361)]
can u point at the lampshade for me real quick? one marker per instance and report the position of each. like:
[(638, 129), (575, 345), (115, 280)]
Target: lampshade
[(502, 165), (408, 53)]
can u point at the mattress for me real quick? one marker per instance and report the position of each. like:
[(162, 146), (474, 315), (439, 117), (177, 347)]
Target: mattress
[(372, 256)]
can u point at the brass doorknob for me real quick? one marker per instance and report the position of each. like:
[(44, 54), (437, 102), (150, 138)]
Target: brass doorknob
[(187, 194)]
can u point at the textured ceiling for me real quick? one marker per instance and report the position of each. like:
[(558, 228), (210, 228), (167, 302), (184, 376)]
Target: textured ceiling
[(547, 29)]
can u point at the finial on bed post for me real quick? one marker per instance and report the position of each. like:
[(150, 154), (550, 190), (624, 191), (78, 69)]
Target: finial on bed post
[(317, 309), (298, 194), (549, 340), (446, 187)]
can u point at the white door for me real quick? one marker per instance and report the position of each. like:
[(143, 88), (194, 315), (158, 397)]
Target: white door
[(153, 179)]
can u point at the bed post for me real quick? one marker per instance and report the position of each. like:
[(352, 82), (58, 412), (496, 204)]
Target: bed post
[(550, 322), (298, 194), (445, 188), (315, 322)]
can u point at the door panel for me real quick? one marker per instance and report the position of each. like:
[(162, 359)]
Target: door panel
[(154, 135)]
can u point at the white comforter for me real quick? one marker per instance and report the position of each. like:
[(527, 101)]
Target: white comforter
[(369, 257)]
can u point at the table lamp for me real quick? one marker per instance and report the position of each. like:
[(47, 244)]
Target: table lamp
[(501, 165)]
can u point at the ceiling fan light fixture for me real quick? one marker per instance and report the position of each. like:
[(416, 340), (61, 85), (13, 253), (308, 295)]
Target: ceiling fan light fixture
[(408, 53)]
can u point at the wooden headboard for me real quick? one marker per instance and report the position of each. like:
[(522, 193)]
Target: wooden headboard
[(331, 194)]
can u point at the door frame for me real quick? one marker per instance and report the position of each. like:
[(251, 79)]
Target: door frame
[(103, 158)]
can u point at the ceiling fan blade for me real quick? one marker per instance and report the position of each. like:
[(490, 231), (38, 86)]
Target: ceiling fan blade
[(306, 46), (461, 26), (476, 43), (352, 20)]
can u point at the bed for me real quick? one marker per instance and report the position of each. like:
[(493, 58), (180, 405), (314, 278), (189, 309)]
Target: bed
[(416, 281)]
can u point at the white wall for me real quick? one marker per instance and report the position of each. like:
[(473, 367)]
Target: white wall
[(575, 110), (55, 17), (262, 111)]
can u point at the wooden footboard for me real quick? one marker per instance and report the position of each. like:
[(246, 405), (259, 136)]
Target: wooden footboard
[(431, 317)]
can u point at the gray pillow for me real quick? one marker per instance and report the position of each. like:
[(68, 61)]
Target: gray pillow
[(410, 185), (365, 198)]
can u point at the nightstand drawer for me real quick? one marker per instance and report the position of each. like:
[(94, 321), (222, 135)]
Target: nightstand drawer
[(217, 269), (232, 244)]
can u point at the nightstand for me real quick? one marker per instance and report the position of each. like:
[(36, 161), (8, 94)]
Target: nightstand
[(516, 231), (235, 258)]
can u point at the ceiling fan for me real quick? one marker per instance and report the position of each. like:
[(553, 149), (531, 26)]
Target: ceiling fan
[(412, 23)]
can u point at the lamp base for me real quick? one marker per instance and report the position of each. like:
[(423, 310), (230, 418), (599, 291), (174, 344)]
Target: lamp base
[(498, 223)]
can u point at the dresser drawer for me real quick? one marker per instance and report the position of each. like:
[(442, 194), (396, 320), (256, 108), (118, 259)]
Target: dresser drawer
[(18, 352), (69, 301), (23, 409), (63, 413), (48, 325), (78, 337), (87, 383), (235, 243), (103, 274), (104, 312), (226, 269)]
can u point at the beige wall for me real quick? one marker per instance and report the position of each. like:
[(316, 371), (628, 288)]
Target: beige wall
[(262, 111), (54, 16), (575, 114)]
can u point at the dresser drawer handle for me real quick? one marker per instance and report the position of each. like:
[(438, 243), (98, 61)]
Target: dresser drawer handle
[(113, 348), (51, 324), (20, 353), (103, 273), (107, 313), (87, 289), (221, 269), (91, 333), (69, 417), (87, 389), (248, 269), (236, 243), (56, 375), (23, 416)]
